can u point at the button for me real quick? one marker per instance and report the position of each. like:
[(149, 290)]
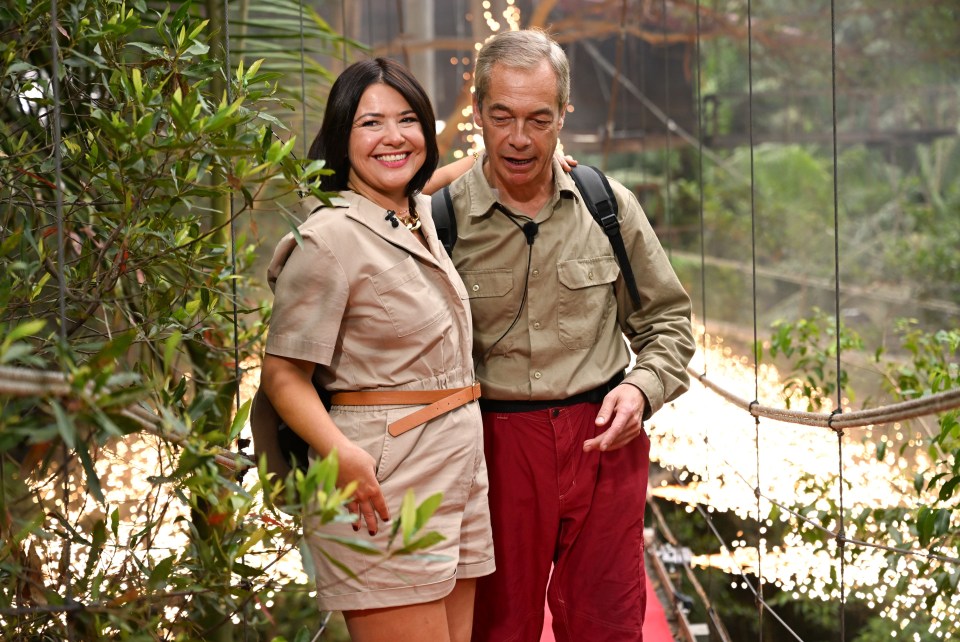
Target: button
[(536, 325), (476, 286), (536, 273), (589, 275), (537, 375)]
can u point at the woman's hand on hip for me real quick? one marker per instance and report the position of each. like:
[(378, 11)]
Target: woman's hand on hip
[(357, 465)]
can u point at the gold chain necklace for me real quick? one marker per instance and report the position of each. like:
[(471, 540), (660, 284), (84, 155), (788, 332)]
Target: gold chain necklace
[(410, 220)]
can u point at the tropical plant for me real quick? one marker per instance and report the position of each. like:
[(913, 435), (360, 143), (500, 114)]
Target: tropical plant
[(129, 151)]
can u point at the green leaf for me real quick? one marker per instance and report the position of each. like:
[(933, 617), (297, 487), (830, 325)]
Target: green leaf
[(425, 541), (240, 419), (160, 573), (354, 544), (64, 426), (427, 508), (170, 349), (153, 50), (255, 538), (941, 525), (343, 567), (93, 481), (115, 348), (408, 516), (925, 524), (949, 488)]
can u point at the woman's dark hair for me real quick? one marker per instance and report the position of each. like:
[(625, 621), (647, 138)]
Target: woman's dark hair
[(333, 141)]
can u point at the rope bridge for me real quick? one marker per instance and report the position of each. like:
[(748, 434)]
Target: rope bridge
[(24, 382)]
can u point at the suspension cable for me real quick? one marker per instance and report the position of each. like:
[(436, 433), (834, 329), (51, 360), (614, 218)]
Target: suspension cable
[(62, 287), (668, 126), (836, 292), (838, 534), (756, 344), (233, 222)]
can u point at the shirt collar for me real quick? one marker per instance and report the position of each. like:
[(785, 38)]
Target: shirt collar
[(483, 196)]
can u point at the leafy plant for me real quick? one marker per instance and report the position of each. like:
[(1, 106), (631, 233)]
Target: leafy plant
[(810, 346), (124, 513)]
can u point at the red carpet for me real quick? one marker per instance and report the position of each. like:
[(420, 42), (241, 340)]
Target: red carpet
[(655, 625)]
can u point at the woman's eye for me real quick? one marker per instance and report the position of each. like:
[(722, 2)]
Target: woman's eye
[(409, 120), (370, 123)]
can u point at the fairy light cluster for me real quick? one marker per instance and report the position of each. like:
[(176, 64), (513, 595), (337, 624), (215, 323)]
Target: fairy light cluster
[(511, 16), (710, 445)]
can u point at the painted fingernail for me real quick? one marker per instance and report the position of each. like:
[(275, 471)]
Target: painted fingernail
[(356, 527), (372, 533)]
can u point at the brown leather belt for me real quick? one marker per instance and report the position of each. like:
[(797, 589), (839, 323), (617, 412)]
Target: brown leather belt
[(440, 402)]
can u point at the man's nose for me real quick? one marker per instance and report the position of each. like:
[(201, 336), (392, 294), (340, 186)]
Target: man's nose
[(518, 134)]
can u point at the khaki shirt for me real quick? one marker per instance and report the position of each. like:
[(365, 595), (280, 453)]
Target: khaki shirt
[(574, 308), (369, 303)]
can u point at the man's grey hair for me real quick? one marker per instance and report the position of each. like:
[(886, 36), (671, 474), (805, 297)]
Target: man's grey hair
[(523, 49)]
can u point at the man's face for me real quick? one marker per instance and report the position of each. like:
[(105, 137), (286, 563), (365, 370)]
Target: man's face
[(521, 123)]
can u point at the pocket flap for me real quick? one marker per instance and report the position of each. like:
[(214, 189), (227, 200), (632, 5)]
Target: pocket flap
[(484, 283), (584, 273)]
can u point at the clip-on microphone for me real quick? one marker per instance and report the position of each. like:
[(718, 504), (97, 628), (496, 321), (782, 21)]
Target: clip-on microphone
[(530, 230)]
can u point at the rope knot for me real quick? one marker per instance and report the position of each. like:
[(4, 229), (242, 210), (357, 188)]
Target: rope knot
[(834, 413)]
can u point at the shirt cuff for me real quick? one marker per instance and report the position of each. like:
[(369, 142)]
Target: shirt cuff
[(649, 384)]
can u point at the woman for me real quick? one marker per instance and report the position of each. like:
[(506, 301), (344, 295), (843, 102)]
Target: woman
[(367, 300)]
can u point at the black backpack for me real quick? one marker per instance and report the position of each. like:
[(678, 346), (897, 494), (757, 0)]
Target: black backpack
[(598, 195)]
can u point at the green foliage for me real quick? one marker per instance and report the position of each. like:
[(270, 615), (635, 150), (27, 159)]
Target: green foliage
[(926, 524), (121, 514), (810, 346)]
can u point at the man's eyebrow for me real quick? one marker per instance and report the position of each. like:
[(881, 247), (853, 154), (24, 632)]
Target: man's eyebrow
[(544, 111)]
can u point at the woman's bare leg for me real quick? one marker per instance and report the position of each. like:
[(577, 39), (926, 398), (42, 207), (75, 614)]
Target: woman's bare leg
[(411, 623), (459, 606)]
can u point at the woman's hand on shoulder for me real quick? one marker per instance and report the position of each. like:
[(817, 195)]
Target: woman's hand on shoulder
[(567, 162)]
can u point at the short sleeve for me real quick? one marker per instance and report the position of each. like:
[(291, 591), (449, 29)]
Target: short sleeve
[(310, 291)]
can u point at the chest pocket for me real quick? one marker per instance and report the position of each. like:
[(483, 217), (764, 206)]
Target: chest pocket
[(481, 284), (409, 300), (490, 293), (585, 299)]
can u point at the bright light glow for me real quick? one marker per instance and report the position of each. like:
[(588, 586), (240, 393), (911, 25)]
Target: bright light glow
[(711, 443)]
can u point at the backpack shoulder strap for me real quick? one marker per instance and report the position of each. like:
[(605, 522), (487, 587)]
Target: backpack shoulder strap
[(600, 200), (444, 219)]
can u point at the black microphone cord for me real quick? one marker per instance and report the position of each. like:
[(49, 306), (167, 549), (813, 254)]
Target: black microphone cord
[(530, 230)]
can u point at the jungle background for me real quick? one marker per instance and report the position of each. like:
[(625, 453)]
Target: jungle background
[(152, 154)]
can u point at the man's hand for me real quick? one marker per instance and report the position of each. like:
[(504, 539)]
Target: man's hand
[(622, 415), (357, 465)]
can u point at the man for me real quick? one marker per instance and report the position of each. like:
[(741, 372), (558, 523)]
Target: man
[(563, 429)]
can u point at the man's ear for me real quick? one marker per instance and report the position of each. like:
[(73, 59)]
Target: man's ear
[(563, 114), (476, 112)]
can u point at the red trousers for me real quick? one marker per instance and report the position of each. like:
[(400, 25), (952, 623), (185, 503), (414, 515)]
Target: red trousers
[(556, 507)]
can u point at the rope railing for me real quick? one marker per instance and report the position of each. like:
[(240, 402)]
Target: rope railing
[(27, 382), (901, 411)]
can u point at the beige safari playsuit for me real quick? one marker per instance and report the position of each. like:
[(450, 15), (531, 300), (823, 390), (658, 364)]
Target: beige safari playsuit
[(376, 310)]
